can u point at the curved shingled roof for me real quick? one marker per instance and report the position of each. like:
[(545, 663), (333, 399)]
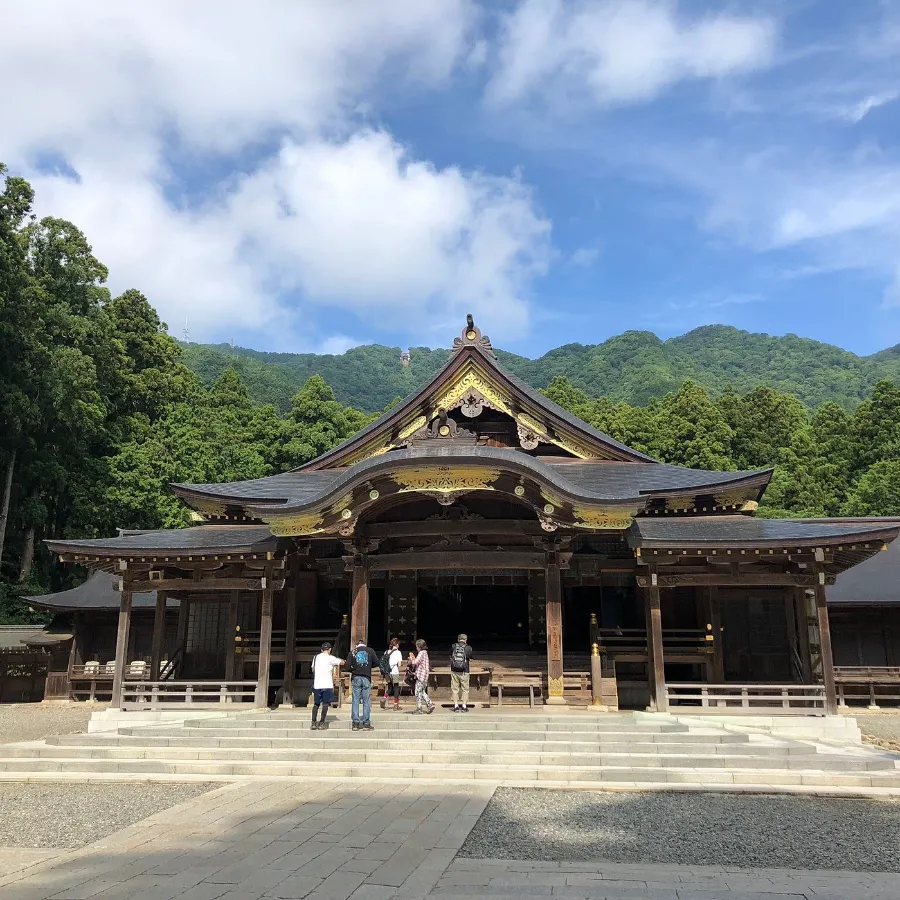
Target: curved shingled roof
[(587, 480), (98, 592)]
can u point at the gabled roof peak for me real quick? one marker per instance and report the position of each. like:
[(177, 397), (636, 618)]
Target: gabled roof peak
[(471, 336)]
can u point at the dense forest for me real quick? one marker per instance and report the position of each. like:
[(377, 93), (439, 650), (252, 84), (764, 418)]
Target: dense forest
[(635, 367), (100, 409)]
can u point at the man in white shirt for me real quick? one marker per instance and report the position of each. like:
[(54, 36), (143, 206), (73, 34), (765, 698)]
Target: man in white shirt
[(390, 666), (323, 667)]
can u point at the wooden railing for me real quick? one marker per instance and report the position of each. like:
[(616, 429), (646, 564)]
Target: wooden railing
[(762, 699), (153, 694), (676, 641), (309, 640), (91, 682), (873, 686)]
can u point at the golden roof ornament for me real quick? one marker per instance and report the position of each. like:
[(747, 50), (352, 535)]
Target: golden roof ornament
[(472, 337)]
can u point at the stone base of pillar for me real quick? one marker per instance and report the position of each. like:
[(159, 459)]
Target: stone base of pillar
[(556, 701)]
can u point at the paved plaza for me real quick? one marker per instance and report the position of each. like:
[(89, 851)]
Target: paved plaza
[(287, 839)]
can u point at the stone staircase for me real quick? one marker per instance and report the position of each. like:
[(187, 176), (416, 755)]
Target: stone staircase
[(572, 748)]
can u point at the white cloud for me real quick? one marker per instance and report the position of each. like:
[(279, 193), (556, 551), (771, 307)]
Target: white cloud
[(339, 216), (621, 51), (585, 257), (337, 344), (361, 225)]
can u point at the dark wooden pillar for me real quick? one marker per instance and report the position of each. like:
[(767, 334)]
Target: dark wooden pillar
[(825, 642), (261, 700), (233, 607), (121, 646), (553, 589), (290, 641), (715, 621), (159, 633), (359, 600), (656, 671)]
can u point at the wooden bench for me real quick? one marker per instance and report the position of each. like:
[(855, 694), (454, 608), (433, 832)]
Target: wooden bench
[(517, 680)]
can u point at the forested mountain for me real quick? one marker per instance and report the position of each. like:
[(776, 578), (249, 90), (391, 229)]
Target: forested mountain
[(101, 410), (634, 367)]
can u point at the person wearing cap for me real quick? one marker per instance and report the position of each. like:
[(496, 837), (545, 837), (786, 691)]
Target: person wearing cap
[(360, 665), (323, 666)]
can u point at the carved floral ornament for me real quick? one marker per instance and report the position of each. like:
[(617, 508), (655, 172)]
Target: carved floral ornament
[(446, 479)]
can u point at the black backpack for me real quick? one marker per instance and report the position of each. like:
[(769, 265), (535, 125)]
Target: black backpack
[(458, 658), (384, 665)]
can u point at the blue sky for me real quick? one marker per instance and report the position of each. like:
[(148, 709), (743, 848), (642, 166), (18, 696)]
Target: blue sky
[(310, 176)]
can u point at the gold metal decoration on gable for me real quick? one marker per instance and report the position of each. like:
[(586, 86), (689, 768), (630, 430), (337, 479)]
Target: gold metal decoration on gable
[(373, 494), (296, 526), (471, 379), (446, 479), (210, 508), (597, 517)]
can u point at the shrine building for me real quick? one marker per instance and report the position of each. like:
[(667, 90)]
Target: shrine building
[(478, 506)]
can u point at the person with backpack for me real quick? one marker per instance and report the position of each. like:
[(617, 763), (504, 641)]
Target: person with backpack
[(360, 664), (421, 665), (390, 671), (323, 666), (460, 654)]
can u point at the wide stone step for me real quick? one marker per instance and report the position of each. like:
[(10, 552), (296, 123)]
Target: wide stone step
[(339, 737), (455, 723), (445, 772), (426, 732), (339, 753)]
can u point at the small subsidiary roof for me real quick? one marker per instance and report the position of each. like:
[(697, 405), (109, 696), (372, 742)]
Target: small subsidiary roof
[(876, 581), (747, 531), (97, 593), (210, 540)]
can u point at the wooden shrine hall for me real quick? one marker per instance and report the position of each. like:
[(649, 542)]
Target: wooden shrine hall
[(578, 566)]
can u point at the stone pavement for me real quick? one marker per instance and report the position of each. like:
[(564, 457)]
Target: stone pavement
[(287, 840)]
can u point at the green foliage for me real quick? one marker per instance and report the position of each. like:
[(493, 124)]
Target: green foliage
[(635, 368)]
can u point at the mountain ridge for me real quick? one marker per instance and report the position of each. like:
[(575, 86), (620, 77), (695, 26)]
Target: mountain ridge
[(635, 367)]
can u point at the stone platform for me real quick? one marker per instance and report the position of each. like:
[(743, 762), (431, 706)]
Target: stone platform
[(567, 748)]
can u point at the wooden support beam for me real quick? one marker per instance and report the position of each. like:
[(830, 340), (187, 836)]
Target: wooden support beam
[(800, 611), (553, 591), (825, 642), (121, 647), (727, 579), (261, 698), (233, 609), (461, 559), (206, 585), (442, 528), (359, 601), (656, 670), (159, 634), (290, 645)]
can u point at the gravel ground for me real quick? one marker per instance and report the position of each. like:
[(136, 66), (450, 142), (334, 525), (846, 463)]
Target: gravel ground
[(748, 831), (32, 722), (881, 729), (71, 815)]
